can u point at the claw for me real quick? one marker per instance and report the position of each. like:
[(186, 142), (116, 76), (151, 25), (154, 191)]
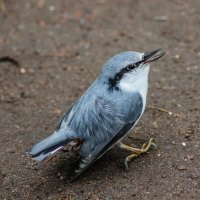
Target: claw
[(126, 163), (153, 144), (128, 159), (136, 152)]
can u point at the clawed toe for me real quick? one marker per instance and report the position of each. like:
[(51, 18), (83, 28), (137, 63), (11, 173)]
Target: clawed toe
[(136, 152)]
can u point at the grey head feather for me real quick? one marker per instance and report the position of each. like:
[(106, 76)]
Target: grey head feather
[(119, 61)]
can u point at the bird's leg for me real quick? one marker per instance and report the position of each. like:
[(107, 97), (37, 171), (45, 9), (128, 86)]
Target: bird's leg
[(136, 151)]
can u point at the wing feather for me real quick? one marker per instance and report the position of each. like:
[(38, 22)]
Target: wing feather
[(90, 152)]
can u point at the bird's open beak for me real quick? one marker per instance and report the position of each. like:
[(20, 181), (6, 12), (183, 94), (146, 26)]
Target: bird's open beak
[(151, 56)]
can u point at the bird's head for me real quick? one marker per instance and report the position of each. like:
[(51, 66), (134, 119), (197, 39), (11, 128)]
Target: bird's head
[(129, 66)]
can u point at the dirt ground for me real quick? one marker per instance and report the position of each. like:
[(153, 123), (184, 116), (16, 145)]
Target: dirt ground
[(51, 51)]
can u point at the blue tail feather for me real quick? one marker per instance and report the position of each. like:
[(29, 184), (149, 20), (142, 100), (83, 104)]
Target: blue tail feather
[(50, 145)]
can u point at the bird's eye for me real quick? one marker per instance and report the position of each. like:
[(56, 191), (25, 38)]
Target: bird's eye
[(130, 67)]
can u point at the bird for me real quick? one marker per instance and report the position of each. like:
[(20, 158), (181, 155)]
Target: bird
[(106, 113)]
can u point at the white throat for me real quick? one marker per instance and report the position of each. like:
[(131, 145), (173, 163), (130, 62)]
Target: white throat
[(136, 83)]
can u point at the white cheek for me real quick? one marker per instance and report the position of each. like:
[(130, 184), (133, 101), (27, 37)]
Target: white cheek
[(126, 84), (136, 82)]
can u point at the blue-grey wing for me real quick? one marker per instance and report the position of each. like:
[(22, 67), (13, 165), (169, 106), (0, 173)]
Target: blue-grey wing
[(116, 120), (67, 117)]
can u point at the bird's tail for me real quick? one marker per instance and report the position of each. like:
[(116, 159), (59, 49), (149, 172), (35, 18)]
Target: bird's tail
[(50, 145)]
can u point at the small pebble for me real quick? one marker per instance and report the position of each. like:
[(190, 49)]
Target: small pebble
[(183, 144), (181, 167), (190, 157), (11, 150), (52, 8), (177, 56), (161, 18), (155, 125), (194, 175), (22, 70), (173, 142), (56, 111)]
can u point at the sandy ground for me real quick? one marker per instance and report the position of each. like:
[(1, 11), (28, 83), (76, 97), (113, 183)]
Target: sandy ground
[(51, 52)]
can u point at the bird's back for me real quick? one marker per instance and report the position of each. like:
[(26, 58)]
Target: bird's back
[(96, 114), (98, 118)]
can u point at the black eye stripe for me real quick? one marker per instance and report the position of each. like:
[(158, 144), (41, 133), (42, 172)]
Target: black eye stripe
[(112, 82), (131, 67)]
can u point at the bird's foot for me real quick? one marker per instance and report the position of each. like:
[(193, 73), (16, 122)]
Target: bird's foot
[(136, 151)]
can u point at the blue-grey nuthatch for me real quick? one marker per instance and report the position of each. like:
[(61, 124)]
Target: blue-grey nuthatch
[(105, 113)]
